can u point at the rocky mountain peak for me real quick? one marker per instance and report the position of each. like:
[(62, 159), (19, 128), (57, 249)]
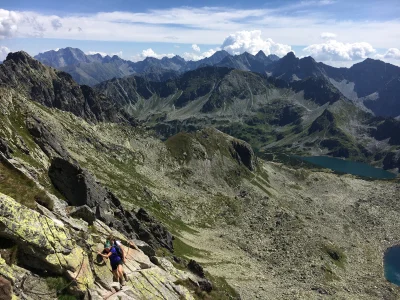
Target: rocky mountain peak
[(54, 88), (178, 59), (220, 53), (290, 56), (273, 57), (261, 55), (246, 54), (309, 59), (20, 57)]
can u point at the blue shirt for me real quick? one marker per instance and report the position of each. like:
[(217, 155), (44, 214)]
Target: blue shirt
[(114, 258)]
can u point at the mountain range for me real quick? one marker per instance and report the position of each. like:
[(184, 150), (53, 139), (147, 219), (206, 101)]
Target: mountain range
[(371, 84), (93, 69), (309, 115)]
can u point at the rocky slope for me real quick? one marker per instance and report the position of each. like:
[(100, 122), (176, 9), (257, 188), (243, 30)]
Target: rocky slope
[(266, 112), (48, 243), (274, 232)]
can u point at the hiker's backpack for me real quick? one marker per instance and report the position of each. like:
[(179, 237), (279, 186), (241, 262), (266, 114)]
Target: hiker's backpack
[(118, 249)]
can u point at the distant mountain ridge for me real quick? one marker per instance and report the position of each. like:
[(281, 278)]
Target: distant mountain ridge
[(68, 56), (372, 84), (93, 69)]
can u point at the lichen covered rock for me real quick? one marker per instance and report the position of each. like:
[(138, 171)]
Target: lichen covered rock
[(43, 242), (51, 246)]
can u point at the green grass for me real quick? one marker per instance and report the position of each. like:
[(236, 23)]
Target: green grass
[(221, 289), (16, 185), (335, 254), (59, 284), (261, 187), (180, 146), (197, 294), (181, 249)]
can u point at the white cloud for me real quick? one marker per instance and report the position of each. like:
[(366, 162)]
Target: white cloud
[(8, 23), (103, 54), (192, 56), (150, 53), (333, 50), (392, 53), (207, 25), (198, 56), (119, 54), (96, 52), (3, 52), (328, 35), (56, 23), (196, 48), (252, 42), (46, 50), (210, 52)]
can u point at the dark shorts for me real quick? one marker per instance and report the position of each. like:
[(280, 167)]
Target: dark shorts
[(115, 266)]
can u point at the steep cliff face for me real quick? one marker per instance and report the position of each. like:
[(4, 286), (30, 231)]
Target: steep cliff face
[(57, 246), (55, 89)]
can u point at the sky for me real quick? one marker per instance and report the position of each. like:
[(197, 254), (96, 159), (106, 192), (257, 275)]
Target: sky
[(336, 32)]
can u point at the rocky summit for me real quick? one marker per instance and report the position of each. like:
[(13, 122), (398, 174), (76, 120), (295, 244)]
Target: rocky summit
[(194, 175)]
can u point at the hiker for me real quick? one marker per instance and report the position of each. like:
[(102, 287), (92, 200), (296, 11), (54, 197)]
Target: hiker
[(120, 250), (118, 245), (115, 261)]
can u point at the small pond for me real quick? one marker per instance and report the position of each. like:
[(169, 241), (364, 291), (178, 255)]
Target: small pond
[(391, 263), (347, 166)]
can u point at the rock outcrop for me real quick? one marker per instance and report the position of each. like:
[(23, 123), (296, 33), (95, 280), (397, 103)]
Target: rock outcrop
[(54, 88), (49, 245), (83, 212), (81, 189), (5, 149), (244, 154), (152, 228), (196, 268), (46, 140), (78, 185)]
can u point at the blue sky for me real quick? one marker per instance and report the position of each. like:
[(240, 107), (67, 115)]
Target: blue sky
[(338, 32)]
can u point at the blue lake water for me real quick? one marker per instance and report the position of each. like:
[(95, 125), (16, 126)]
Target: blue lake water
[(347, 166), (391, 263)]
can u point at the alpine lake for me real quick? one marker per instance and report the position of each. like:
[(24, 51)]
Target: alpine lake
[(348, 167)]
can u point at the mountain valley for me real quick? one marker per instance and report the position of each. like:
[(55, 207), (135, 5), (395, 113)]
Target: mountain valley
[(181, 164)]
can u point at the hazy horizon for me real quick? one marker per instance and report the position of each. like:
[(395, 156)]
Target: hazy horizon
[(336, 32)]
